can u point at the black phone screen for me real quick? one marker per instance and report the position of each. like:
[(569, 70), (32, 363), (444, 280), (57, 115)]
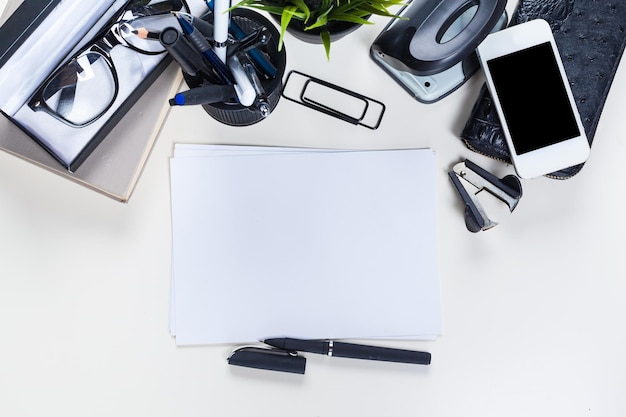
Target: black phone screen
[(533, 98)]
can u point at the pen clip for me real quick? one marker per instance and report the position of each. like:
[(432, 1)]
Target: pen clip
[(254, 39)]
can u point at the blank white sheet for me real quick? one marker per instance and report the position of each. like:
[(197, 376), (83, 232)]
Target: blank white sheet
[(303, 243)]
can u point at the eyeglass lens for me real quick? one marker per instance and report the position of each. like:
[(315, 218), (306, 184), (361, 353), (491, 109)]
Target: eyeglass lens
[(84, 88)]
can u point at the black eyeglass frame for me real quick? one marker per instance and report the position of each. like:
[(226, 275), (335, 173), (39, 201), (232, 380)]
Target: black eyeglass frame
[(108, 38)]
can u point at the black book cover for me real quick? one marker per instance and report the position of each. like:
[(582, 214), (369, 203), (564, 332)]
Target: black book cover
[(23, 21)]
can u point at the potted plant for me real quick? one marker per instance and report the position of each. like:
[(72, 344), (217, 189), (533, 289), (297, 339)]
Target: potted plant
[(322, 18)]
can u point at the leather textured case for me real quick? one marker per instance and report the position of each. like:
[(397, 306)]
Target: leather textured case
[(591, 36)]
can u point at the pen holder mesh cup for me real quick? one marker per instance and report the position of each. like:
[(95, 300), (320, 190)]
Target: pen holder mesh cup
[(231, 112)]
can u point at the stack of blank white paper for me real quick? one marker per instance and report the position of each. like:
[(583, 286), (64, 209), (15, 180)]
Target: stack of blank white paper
[(305, 243)]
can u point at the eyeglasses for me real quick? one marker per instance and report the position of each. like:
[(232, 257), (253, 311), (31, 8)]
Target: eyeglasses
[(81, 90)]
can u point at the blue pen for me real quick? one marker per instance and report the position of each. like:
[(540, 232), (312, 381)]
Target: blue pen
[(203, 46), (255, 55)]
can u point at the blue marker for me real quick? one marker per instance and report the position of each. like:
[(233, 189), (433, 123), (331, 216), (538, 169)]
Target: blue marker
[(206, 94)]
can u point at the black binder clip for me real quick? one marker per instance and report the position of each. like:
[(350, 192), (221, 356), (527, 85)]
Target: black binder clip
[(507, 189), (333, 100)]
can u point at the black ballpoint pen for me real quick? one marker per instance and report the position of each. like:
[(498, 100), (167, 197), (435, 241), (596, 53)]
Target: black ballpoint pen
[(204, 48), (351, 350)]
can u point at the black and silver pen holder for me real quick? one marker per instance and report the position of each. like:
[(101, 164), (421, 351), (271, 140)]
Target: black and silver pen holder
[(231, 112)]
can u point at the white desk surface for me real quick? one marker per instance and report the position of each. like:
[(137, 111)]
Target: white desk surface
[(533, 310)]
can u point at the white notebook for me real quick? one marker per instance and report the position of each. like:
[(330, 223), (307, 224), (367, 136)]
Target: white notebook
[(271, 242)]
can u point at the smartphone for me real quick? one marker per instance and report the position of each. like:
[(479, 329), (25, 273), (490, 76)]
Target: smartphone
[(533, 99)]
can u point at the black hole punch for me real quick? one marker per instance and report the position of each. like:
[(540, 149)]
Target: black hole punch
[(457, 22)]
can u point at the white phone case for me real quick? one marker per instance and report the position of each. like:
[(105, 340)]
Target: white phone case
[(533, 99)]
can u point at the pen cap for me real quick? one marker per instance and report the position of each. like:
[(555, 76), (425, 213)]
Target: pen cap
[(270, 359), (181, 51), (231, 112)]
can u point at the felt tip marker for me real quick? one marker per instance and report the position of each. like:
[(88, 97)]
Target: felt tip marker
[(206, 94)]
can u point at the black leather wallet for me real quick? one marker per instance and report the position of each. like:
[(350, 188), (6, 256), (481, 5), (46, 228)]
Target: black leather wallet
[(591, 36)]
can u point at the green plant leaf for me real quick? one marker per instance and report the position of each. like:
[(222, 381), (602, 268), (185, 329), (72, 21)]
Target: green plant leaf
[(327, 4), (325, 35), (349, 5), (302, 6), (353, 19), (374, 9), (277, 10), (285, 18), (353, 11)]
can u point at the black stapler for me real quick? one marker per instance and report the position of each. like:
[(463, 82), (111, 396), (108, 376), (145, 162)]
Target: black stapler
[(430, 50)]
